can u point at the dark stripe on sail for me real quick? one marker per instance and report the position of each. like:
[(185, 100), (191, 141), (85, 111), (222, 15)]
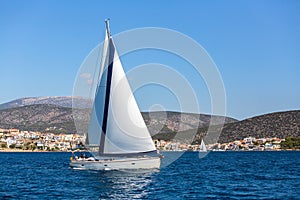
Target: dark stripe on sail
[(107, 94)]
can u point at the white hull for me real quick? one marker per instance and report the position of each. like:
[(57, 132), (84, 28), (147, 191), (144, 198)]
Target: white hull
[(117, 164)]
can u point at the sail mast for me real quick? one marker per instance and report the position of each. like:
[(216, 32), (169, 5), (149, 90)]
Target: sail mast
[(111, 52), (107, 27)]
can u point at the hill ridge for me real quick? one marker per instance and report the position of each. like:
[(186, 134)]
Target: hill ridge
[(57, 118), (41, 117)]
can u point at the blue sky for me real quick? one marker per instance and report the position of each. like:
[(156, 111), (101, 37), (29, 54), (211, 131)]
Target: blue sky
[(255, 44)]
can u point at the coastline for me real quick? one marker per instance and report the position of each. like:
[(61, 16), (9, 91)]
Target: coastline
[(41, 151), (30, 151)]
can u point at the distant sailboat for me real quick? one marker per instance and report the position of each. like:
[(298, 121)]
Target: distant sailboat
[(117, 137), (202, 147)]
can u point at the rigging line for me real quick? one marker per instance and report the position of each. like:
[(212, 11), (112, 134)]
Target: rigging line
[(93, 81), (93, 89)]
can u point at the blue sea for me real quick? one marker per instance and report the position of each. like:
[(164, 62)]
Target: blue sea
[(219, 175)]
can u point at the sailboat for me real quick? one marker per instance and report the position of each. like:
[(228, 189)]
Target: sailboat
[(202, 147), (117, 136)]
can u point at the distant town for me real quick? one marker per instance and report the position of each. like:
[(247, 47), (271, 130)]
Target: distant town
[(13, 140)]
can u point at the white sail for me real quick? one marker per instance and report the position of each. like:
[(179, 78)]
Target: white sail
[(120, 129), (95, 127), (126, 129), (202, 146)]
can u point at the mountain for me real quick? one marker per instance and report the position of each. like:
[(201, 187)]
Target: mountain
[(55, 114), (47, 117), (279, 124), (39, 117), (59, 101), (167, 122)]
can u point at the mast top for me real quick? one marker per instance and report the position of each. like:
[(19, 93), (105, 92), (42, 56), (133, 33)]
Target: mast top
[(107, 27)]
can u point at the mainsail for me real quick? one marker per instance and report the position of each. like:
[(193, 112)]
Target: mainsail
[(117, 126), (202, 146)]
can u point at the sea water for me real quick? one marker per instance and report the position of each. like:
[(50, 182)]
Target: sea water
[(219, 175)]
